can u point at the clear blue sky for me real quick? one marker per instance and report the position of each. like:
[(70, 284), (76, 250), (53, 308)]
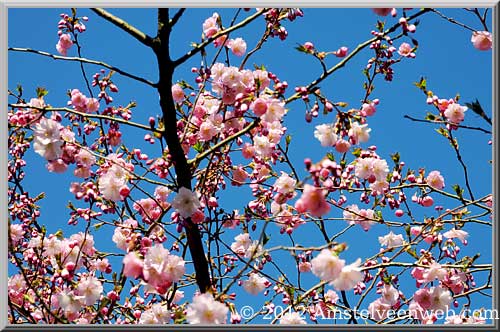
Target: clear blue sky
[(445, 57)]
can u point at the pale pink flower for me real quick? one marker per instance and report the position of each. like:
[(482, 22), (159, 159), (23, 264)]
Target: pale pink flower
[(64, 44), (57, 166), (368, 109), (440, 298), (206, 310), (348, 277), (417, 311), (391, 240), (238, 46), (259, 106), (85, 159), (435, 180), (16, 232), (262, 146), (325, 133), (210, 26), (47, 139), (92, 105), (482, 40), (292, 318), (313, 200), (405, 50), (455, 113), (457, 233), (255, 284), (207, 131), (363, 217), (241, 244), (275, 111), (157, 314), (434, 271), (186, 202), (239, 176), (111, 186), (285, 184), (174, 268), (380, 169), (390, 295), (342, 146), (379, 309), (89, 290), (68, 302), (327, 265), (78, 100), (359, 133), (364, 168), (132, 265), (177, 93)]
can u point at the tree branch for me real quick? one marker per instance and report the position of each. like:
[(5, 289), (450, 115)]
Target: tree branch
[(85, 60), (201, 46), (125, 26), (89, 116), (182, 169), (223, 142)]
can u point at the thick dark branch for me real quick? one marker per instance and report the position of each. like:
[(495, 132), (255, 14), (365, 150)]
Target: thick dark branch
[(182, 169), (83, 60), (125, 26), (177, 16)]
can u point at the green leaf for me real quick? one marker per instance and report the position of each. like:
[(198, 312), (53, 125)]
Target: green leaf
[(395, 157), (98, 225), (266, 239), (288, 139), (19, 89), (422, 84), (476, 107), (430, 116), (330, 156), (41, 92), (198, 147), (459, 191), (356, 152)]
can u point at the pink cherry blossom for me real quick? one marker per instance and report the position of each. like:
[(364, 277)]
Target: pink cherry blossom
[(348, 277), (210, 26), (255, 284), (455, 113), (177, 93), (206, 310), (327, 265), (313, 200), (325, 133), (132, 265), (405, 50), (435, 180), (186, 202), (482, 40), (238, 46), (292, 318)]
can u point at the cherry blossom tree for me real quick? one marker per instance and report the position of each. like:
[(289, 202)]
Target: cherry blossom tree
[(182, 255)]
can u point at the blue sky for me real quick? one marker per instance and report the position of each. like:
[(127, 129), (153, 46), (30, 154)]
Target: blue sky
[(445, 57)]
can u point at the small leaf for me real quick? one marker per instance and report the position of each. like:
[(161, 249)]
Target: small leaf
[(430, 116), (356, 152), (396, 158), (198, 147), (41, 92)]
